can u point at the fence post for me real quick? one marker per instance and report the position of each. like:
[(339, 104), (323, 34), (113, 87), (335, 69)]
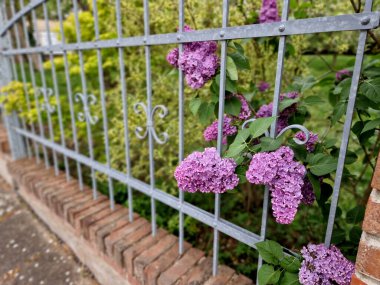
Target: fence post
[(16, 141)]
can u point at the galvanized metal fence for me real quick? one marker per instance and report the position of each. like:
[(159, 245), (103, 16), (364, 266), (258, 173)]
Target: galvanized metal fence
[(26, 140)]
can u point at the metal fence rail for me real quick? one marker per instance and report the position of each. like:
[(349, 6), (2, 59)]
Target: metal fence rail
[(34, 136)]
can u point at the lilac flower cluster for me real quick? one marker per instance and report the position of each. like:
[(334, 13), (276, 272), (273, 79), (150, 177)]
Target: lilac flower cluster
[(263, 86), (269, 12), (308, 196), (245, 111), (206, 172), (198, 61), (211, 132), (313, 139), (326, 266), (282, 122), (342, 74), (283, 176)]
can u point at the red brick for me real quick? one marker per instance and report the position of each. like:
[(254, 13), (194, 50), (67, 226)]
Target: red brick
[(69, 191), (79, 216), (128, 241), (153, 270), (88, 221), (42, 190), (131, 253), (151, 254), (57, 205), (118, 234), (76, 210), (180, 267), (371, 222), (240, 280), (107, 230), (60, 190), (224, 275), (376, 176), (368, 259), (357, 281), (46, 192), (114, 216), (63, 209), (199, 274)]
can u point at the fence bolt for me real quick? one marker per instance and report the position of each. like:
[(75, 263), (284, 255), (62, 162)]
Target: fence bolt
[(365, 20), (281, 28), (144, 40), (221, 34), (178, 37)]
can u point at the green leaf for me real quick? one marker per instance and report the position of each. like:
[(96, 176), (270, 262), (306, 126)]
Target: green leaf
[(355, 215), (194, 105), (270, 251), (313, 100), (338, 111), (289, 279), (315, 183), (239, 144), (371, 89), (355, 234), (287, 102), (345, 86), (269, 144), (330, 143), (231, 69), (240, 60), (206, 112), (291, 264), (371, 125), (232, 106), (260, 126), (322, 164), (231, 85), (267, 275), (338, 236)]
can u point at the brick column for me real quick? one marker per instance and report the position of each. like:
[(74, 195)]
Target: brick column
[(367, 268)]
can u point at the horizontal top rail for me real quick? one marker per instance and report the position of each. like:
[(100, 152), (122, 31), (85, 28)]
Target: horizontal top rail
[(353, 22), (25, 10)]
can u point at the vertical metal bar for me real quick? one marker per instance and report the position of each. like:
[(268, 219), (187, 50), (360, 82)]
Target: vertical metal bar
[(149, 115), (8, 35), (70, 96), (33, 79), (56, 91), (347, 127), (276, 100), (84, 89), (181, 125), (103, 102), (23, 78), (222, 90), (125, 109), (44, 87)]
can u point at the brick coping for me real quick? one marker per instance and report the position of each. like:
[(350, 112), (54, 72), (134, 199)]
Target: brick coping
[(115, 250)]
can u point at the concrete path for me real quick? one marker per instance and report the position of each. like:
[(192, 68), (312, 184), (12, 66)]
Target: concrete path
[(29, 253)]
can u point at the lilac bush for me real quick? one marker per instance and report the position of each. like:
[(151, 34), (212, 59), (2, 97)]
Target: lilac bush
[(283, 176), (245, 111), (342, 74), (263, 86), (322, 265), (308, 195), (206, 172)]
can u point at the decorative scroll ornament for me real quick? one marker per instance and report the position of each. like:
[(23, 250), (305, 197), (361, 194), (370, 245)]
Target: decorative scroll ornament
[(46, 93), (139, 131), (86, 100), (295, 126)]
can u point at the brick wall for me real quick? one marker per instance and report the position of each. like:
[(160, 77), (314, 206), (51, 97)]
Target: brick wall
[(368, 258)]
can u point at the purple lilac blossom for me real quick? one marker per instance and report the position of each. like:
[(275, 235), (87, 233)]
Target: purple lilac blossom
[(313, 139), (282, 121), (322, 265), (263, 86), (211, 132), (245, 110), (206, 172), (308, 196), (198, 61), (283, 176), (269, 12), (342, 74)]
